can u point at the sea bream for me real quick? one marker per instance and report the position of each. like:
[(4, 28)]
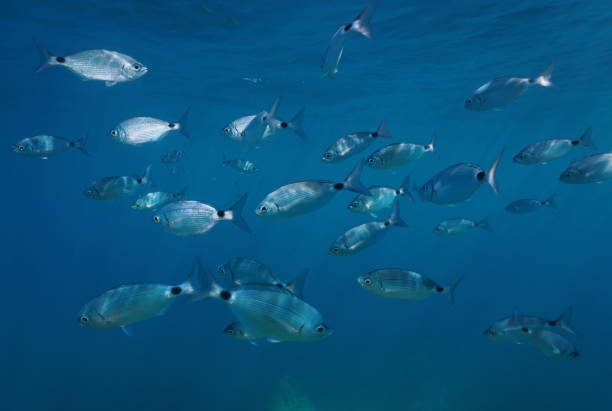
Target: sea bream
[(529, 205), (399, 154), (353, 143), (241, 165), (547, 150), (591, 169), (457, 226), (380, 197), (141, 130), (109, 66), (505, 90), (45, 146), (113, 187), (551, 343), (306, 196), (193, 218), (156, 199)]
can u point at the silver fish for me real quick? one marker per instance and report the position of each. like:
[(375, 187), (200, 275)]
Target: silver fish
[(103, 65), (592, 169), (505, 90), (380, 197), (552, 344), (405, 285), (251, 130), (128, 304), (458, 226), (365, 235), (547, 150), (458, 183), (113, 187), (241, 165), (305, 196), (240, 332), (44, 146), (529, 205), (156, 199), (142, 130), (193, 217), (399, 154), (353, 143), (334, 51)]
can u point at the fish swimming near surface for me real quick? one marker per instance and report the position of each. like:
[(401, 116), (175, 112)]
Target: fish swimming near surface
[(529, 205), (241, 165), (405, 285), (306, 196), (365, 235), (45, 146), (334, 51), (113, 187), (592, 169), (458, 183), (380, 197), (193, 218), (353, 143), (111, 67), (457, 226), (547, 150), (505, 90), (141, 130), (399, 154), (157, 199), (131, 303), (551, 343)]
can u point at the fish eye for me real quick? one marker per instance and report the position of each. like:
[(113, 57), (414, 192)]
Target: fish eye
[(320, 329), (469, 101), (21, 148), (137, 66), (370, 160), (264, 208), (114, 133), (156, 219), (83, 319), (221, 270), (335, 250), (230, 332), (327, 155), (226, 130), (367, 281)]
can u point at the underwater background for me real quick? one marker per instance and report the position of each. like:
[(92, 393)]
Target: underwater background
[(61, 249)]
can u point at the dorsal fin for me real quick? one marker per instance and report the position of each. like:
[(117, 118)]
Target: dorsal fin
[(296, 286)]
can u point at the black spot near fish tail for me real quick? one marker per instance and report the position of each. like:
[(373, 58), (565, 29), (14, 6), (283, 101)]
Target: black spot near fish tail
[(225, 295), (284, 125), (575, 142), (176, 290), (60, 59), (481, 175), (439, 289), (220, 213), (339, 186)]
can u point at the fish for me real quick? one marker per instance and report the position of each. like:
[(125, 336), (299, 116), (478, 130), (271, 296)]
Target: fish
[(458, 226), (45, 146), (365, 235), (591, 169), (529, 205), (173, 156), (141, 130), (399, 154), (458, 183), (241, 165), (380, 197), (306, 196), (193, 218), (505, 90), (510, 329), (547, 150), (353, 143), (113, 187), (131, 303), (156, 199), (240, 332), (295, 125), (109, 66), (405, 285), (269, 311), (551, 343), (335, 48), (251, 130)]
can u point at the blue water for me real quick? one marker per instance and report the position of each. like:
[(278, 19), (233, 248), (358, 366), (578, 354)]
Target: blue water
[(60, 248)]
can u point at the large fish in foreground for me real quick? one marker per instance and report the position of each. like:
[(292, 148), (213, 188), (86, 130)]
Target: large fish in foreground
[(113, 187), (141, 130), (103, 65), (353, 143), (44, 146), (399, 154), (547, 150), (505, 90), (592, 169), (458, 183), (305, 196)]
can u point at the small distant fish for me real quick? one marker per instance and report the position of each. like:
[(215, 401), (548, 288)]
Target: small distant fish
[(505, 90), (44, 146), (173, 156), (380, 198), (241, 165), (365, 235), (552, 344), (334, 51), (353, 143), (113, 187), (141, 130), (127, 304), (240, 332), (529, 205), (306, 196), (458, 226), (592, 169), (405, 284), (157, 199), (193, 217), (458, 183), (102, 65), (399, 154), (547, 150)]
